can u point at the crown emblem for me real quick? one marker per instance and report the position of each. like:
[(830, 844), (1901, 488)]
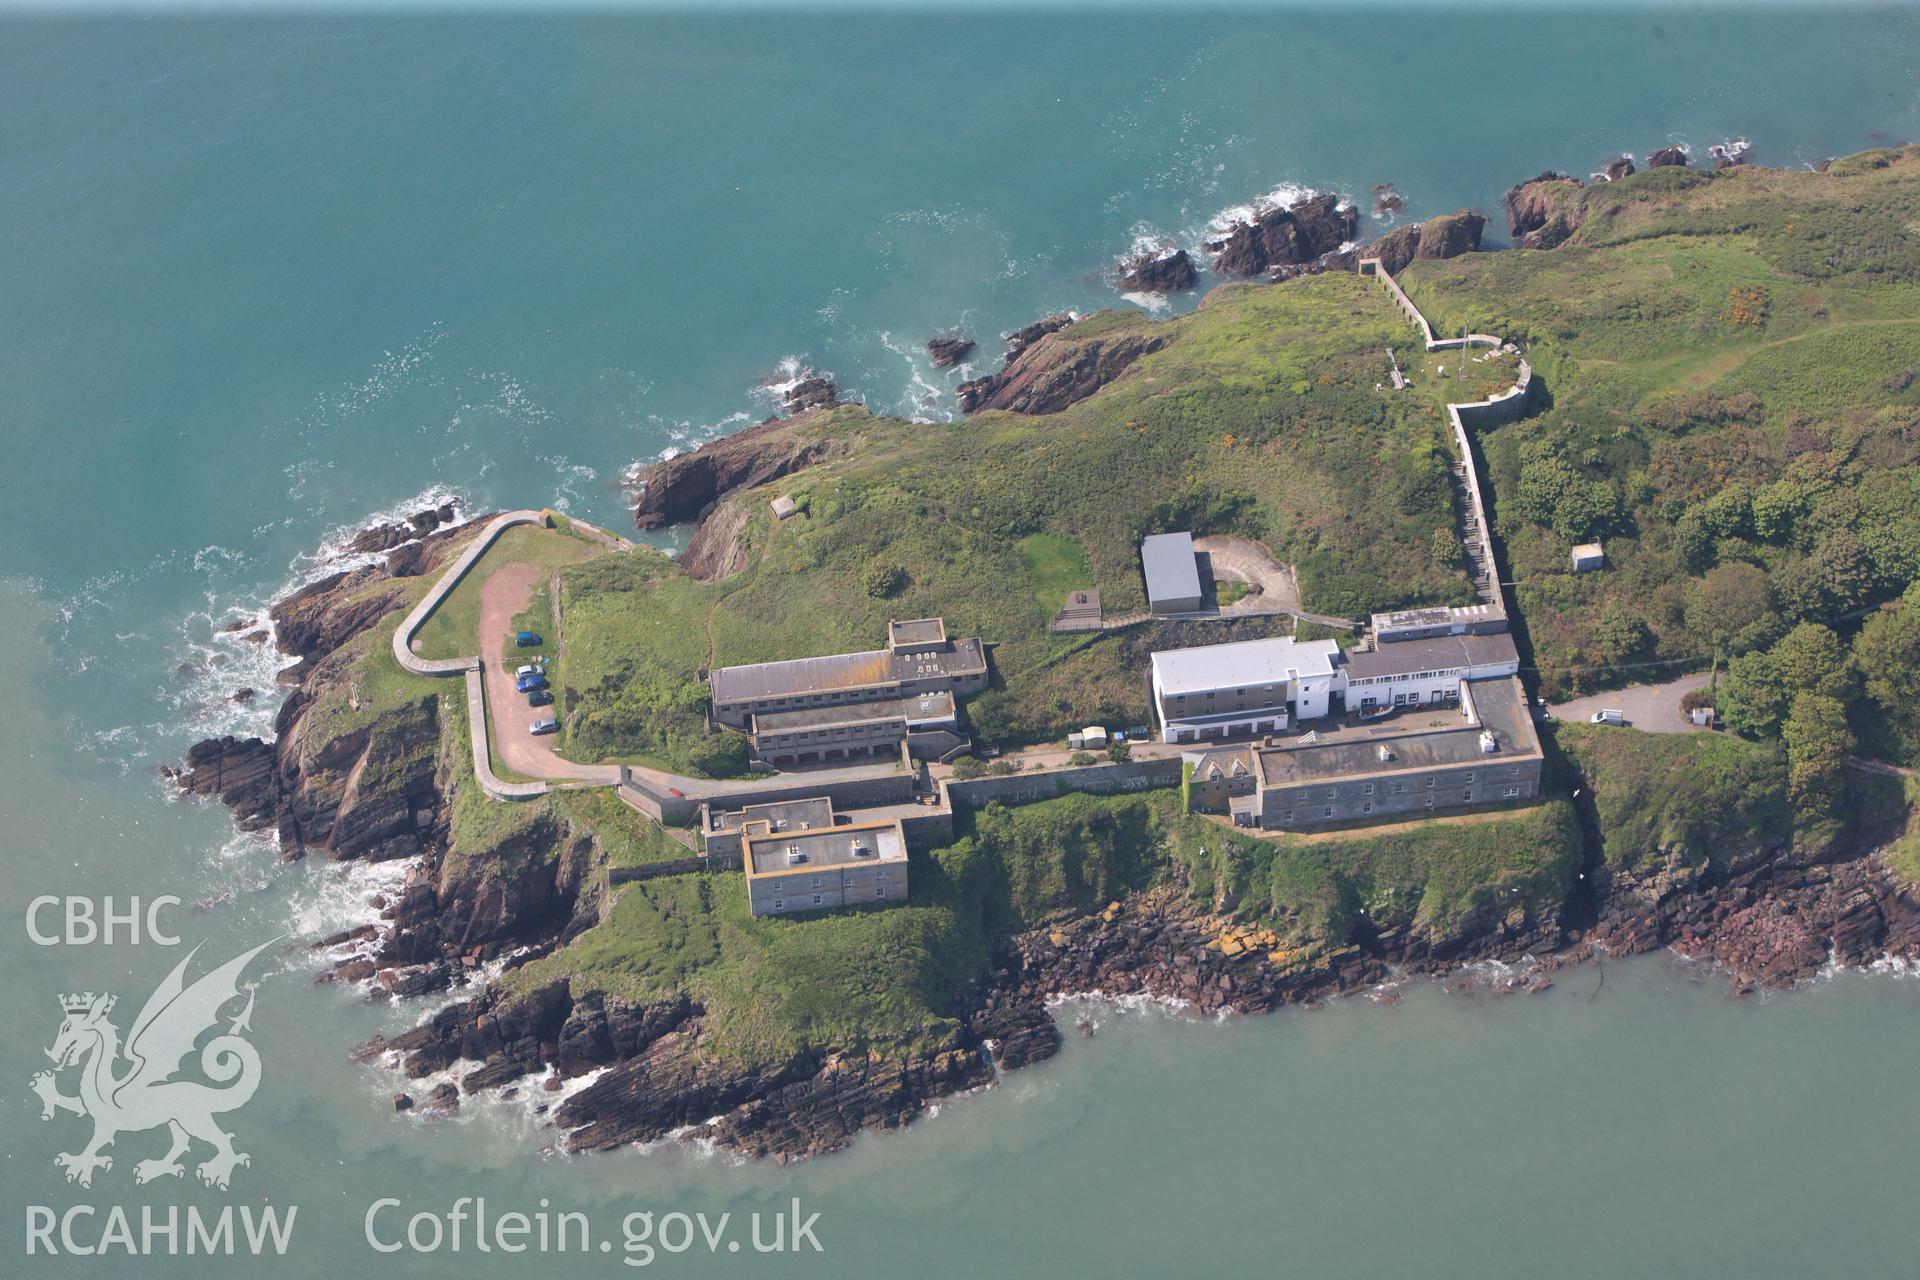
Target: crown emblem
[(83, 1001)]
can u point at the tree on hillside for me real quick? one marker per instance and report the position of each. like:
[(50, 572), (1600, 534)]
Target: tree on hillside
[(1620, 633), (1729, 606), (1760, 687), (1837, 578), (1887, 654), (1554, 493), (1818, 744)]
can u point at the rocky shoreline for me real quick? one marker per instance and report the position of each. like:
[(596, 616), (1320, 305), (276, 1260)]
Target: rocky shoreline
[(1771, 919)]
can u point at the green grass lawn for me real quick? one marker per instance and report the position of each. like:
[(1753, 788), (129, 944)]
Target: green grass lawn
[(1056, 567)]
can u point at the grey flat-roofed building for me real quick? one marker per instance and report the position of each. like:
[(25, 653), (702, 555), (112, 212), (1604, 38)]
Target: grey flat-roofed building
[(1474, 657), (845, 731), (1482, 751), (813, 870), (921, 660), (1173, 573)]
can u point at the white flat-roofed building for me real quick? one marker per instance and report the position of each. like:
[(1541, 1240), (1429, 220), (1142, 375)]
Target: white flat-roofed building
[(1219, 691)]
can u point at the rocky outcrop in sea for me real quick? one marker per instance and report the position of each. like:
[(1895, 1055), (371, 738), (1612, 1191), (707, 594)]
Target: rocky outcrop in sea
[(948, 350), (1273, 236), (1162, 269)]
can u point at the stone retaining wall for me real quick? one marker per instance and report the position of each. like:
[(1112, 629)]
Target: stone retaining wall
[(1097, 779)]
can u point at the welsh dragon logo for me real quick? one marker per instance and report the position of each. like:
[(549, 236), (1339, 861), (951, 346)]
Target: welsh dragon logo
[(144, 1093)]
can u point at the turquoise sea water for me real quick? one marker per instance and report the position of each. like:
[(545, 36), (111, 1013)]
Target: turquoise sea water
[(264, 277)]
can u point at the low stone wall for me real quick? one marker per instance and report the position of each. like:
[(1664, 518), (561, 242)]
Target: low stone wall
[(1097, 779), (490, 782), (672, 867), (1509, 406), (403, 638)]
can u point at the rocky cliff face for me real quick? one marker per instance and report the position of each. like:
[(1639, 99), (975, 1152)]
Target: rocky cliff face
[(1543, 211), (686, 487), (1284, 236), (368, 791), (1047, 373), (1446, 236)]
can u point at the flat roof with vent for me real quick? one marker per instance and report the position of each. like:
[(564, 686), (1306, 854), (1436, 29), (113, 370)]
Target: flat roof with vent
[(797, 853), (914, 632)]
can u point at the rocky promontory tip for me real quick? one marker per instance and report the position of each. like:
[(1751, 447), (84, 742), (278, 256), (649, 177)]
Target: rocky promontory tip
[(812, 392), (1544, 210), (1166, 269), (949, 350), (1278, 236), (385, 537), (1050, 367), (1446, 236), (1667, 157), (684, 487)]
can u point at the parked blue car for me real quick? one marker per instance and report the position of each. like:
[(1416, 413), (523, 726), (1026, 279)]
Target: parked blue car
[(540, 698), (527, 684), (526, 639)]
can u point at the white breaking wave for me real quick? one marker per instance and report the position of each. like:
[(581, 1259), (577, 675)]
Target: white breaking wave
[(1287, 193)]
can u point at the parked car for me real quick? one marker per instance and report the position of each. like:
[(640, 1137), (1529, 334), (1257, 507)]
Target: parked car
[(1607, 715), (548, 725), (540, 698), (527, 684), (521, 673), (526, 639)]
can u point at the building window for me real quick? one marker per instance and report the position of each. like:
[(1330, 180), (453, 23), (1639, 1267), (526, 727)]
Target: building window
[(1466, 797), (1329, 812), (1287, 816), (816, 899), (1367, 807), (816, 882), (1399, 788), (1469, 775), (879, 891), (1369, 788), (1512, 792), (779, 905), (1429, 802), (1429, 784), (1332, 792)]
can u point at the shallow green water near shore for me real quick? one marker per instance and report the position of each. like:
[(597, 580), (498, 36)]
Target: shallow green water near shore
[(265, 278)]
